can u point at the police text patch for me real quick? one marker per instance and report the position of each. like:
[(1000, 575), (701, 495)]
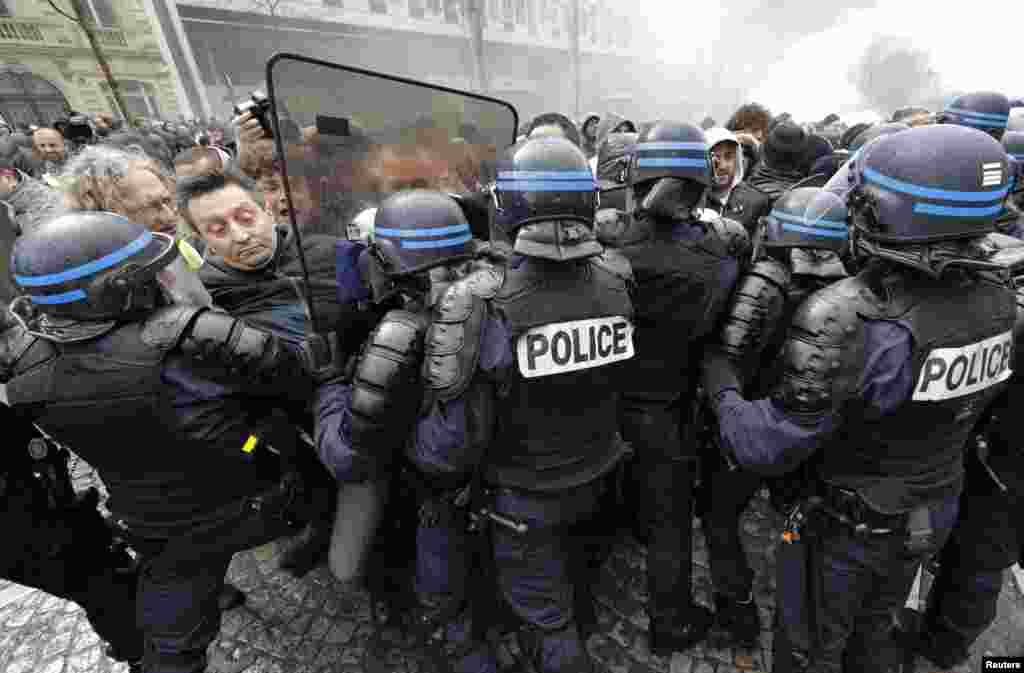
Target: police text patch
[(953, 372), (569, 346)]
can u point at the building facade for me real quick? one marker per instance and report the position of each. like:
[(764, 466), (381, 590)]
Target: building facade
[(518, 50), (48, 68)]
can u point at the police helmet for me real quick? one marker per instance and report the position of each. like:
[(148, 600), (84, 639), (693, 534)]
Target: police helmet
[(807, 217), (669, 149), (546, 197), (928, 184), (92, 266), (875, 131), (986, 111), (416, 230)]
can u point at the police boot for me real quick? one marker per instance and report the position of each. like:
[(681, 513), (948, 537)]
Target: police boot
[(309, 550), (736, 622), (230, 597), (678, 630), (932, 640)]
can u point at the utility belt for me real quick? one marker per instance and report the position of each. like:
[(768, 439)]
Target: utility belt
[(833, 504)]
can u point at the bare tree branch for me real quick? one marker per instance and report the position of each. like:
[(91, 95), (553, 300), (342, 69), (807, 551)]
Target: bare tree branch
[(61, 12), (269, 5)]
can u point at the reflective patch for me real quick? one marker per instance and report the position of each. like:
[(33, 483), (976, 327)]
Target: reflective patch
[(953, 372), (569, 346)]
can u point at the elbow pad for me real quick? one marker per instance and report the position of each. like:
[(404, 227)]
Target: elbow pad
[(214, 336), (757, 306)]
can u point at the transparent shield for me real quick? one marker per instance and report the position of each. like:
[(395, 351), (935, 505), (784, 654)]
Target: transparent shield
[(348, 138)]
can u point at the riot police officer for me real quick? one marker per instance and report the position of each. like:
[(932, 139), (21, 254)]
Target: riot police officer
[(519, 392), (685, 269), (100, 355), (884, 376), (797, 254)]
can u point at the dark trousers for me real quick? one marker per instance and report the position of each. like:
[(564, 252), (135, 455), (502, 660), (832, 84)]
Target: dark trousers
[(662, 475), (182, 576), (728, 494), (531, 571), (68, 553), (987, 539), (859, 582)]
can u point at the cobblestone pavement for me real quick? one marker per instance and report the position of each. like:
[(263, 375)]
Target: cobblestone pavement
[(318, 625)]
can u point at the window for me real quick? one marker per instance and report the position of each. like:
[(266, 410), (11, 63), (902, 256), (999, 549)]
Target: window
[(416, 9), (100, 12), (522, 16), (25, 98), (379, 6), (4, 11), (339, 4), (434, 7)]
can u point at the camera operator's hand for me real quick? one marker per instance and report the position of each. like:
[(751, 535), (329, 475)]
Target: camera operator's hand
[(254, 146), (249, 129)]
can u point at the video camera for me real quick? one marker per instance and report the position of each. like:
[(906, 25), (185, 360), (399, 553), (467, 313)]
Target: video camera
[(259, 106), (76, 129)]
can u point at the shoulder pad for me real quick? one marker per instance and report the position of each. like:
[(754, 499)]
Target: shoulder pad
[(164, 329), (615, 263), (385, 387), (756, 310), (453, 338), (1006, 251), (817, 263), (733, 236), (824, 349), (610, 226)]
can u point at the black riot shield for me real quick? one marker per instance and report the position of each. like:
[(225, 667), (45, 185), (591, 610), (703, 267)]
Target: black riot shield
[(8, 232)]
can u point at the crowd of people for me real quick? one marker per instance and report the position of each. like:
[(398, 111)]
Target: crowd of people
[(459, 373)]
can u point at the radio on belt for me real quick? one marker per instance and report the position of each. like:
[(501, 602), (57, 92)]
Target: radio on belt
[(570, 346)]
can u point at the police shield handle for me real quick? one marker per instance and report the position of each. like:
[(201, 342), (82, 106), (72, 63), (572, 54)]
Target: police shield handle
[(948, 373), (559, 348)]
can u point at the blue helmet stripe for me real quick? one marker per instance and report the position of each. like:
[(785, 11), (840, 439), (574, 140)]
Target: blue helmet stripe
[(546, 186), (1017, 157), (88, 268), (822, 223), (998, 116), (814, 231), (665, 145), (981, 123), (62, 298), (420, 233), (439, 243), (664, 162), (954, 211), (931, 192), (545, 175)]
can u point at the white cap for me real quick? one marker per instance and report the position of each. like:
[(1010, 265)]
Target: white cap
[(718, 134)]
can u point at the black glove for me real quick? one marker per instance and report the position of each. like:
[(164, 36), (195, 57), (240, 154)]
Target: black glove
[(718, 376), (323, 358)]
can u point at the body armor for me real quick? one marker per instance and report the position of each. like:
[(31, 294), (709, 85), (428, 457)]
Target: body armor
[(173, 471), (558, 431), (915, 454), (694, 274)]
